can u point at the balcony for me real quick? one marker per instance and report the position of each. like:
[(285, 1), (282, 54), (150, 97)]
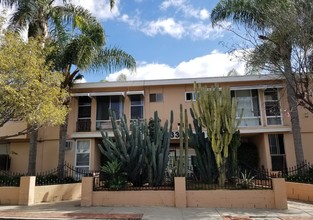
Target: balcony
[(83, 125)]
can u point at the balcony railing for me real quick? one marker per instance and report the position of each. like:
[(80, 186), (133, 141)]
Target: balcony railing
[(83, 125)]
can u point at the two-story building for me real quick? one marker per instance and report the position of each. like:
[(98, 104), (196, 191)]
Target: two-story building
[(265, 121)]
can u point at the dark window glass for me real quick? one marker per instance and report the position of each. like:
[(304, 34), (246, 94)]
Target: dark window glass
[(84, 107), (103, 104), (156, 97)]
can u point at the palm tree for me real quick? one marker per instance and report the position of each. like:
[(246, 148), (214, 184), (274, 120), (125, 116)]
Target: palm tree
[(83, 50), (269, 18)]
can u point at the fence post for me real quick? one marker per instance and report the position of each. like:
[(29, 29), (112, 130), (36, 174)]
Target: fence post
[(87, 190), (280, 193), (27, 190), (180, 192)]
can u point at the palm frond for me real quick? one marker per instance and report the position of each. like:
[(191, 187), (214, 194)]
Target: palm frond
[(113, 59)]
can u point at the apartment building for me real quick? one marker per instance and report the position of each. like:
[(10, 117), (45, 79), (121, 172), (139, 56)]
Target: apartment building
[(265, 121)]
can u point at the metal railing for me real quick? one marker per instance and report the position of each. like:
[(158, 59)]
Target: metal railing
[(83, 125), (65, 175)]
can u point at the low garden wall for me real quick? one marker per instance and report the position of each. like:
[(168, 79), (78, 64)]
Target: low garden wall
[(179, 197), (9, 195), (300, 191), (62, 192), (28, 193)]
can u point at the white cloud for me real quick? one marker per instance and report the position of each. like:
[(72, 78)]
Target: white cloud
[(213, 64), (98, 8), (164, 26), (194, 24), (187, 9)]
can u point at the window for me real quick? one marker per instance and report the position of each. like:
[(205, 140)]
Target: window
[(248, 102), (272, 107), (136, 106), (4, 148), (190, 96), (104, 103), (84, 107), (156, 97), (82, 156), (4, 157), (277, 151), (84, 113)]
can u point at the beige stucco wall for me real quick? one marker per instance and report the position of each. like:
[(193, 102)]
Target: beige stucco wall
[(133, 198), (19, 160), (53, 193), (275, 198), (229, 198), (300, 191), (9, 195), (13, 127), (289, 150)]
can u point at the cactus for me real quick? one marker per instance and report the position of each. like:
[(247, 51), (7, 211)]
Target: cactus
[(204, 163), (143, 150), (216, 111), (128, 147), (233, 160), (157, 150), (183, 143)]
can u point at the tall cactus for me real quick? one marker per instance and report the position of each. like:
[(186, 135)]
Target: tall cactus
[(216, 111), (128, 146), (183, 143), (204, 163), (157, 150)]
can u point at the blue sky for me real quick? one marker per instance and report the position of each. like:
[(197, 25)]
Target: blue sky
[(168, 38)]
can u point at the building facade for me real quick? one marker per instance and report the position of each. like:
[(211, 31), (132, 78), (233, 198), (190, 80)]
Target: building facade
[(265, 121)]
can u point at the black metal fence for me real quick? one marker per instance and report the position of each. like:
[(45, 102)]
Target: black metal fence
[(301, 173), (62, 175), (101, 183), (252, 179)]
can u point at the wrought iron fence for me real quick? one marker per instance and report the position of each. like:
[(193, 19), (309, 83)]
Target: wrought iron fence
[(253, 179), (102, 184), (302, 172), (8, 178), (63, 175)]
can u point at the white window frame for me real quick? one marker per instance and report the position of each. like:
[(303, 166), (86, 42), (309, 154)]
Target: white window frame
[(251, 104), (106, 123), (192, 95), (76, 153), (87, 105), (280, 113), (132, 105)]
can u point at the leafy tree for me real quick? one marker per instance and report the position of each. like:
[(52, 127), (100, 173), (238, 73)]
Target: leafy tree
[(280, 35), (83, 50), (29, 89)]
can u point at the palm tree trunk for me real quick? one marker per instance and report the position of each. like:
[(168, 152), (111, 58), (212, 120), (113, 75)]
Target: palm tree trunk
[(32, 156), (62, 144), (293, 109)]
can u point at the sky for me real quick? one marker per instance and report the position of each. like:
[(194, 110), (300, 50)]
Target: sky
[(168, 39)]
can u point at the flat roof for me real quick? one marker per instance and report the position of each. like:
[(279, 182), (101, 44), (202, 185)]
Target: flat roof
[(114, 84)]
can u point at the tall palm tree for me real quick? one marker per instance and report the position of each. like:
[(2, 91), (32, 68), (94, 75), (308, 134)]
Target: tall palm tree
[(269, 18), (83, 49)]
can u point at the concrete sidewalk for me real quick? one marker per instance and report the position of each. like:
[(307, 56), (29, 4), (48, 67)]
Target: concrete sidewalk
[(72, 210)]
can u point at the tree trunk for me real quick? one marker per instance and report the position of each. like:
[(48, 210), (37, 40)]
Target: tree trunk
[(293, 109), (32, 156), (62, 144)]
